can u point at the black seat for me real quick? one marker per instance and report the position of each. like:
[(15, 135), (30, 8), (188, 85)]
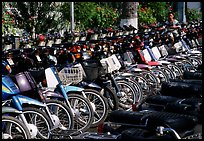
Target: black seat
[(192, 75), (176, 121), (160, 99), (181, 89), (137, 133), (151, 119), (126, 117), (190, 81)]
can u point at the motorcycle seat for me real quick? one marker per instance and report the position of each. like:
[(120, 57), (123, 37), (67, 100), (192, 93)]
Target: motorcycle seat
[(152, 119), (178, 122), (126, 117), (181, 89)]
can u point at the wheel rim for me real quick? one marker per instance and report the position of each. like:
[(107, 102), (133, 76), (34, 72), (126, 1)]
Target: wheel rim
[(127, 97), (176, 70), (12, 130), (37, 119), (100, 107), (63, 115), (160, 74), (82, 113)]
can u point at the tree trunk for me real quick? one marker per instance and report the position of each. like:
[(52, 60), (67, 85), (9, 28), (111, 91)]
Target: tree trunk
[(129, 14)]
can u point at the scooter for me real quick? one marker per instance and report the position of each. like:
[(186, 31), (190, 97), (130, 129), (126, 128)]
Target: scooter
[(18, 101)]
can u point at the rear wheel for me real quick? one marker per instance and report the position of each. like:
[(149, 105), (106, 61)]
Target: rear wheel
[(185, 65), (176, 69), (195, 61), (152, 80), (146, 88)]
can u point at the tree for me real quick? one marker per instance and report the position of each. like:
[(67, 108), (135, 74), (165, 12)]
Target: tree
[(8, 19), (129, 14), (38, 16)]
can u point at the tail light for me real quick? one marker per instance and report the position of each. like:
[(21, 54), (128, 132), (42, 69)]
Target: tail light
[(78, 55), (100, 128), (134, 107)]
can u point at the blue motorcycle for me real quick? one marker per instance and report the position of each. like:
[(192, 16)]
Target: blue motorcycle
[(35, 119)]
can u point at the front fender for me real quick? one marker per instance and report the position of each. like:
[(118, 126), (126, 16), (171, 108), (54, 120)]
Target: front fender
[(19, 100), (127, 74), (6, 110), (51, 94), (73, 89), (165, 62), (93, 85), (120, 78)]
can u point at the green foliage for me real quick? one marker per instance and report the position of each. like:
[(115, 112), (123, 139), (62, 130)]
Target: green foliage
[(8, 22), (41, 15), (150, 12), (160, 10), (146, 16), (105, 17), (91, 15), (193, 15)]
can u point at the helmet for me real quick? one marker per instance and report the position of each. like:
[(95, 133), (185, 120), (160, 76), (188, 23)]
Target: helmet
[(41, 37)]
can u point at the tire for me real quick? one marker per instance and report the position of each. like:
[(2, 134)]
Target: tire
[(169, 72), (176, 69), (143, 82), (111, 97), (128, 95), (44, 119), (100, 105), (85, 109), (152, 80), (64, 113), (25, 134), (185, 65), (160, 74), (195, 61), (138, 89)]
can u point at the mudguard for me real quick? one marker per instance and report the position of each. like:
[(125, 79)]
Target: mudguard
[(121, 78), (72, 89), (48, 94), (195, 52), (136, 69), (144, 66), (127, 74), (10, 110), (93, 85), (164, 62), (19, 100)]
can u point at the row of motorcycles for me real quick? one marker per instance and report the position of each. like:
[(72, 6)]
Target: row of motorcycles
[(127, 84)]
